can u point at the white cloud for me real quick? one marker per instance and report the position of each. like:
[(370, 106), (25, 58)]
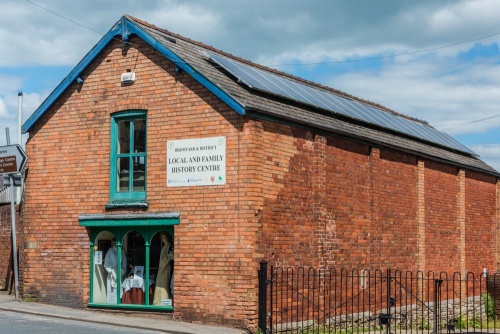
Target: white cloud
[(258, 30), (32, 36), (3, 110), (489, 154), (192, 20), (488, 150), (432, 90), (480, 13), (9, 106), (9, 83)]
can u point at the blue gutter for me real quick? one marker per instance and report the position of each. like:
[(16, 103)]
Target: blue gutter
[(125, 28)]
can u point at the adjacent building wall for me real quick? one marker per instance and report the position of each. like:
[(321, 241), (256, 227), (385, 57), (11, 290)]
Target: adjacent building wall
[(6, 265)]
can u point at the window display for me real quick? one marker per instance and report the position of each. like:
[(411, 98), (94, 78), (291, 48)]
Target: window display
[(133, 286), (111, 266), (164, 282), (132, 266)]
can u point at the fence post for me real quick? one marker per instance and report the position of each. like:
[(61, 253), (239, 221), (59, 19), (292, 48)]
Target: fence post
[(263, 296), (437, 303), (388, 327)]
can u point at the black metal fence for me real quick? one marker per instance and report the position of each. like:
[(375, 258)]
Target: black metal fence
[(341, 301)]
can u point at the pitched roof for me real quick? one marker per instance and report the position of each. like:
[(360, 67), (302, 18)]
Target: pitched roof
[(191, 56)]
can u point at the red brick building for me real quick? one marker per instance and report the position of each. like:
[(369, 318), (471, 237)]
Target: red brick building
[(152, 132)]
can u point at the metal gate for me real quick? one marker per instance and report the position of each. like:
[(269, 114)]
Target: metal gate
[(346, 301)]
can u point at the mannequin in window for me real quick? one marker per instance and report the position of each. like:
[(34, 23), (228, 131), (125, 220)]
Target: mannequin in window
[(111, 266), (165, 269)]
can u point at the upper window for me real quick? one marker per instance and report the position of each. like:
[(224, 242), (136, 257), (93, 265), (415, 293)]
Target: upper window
[(128, 157)]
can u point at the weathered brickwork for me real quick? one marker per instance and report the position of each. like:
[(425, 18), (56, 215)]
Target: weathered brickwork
[(337, 203), (395, 185), (6, 248), (480, 226), (215, 269), (6, 264), (441, 191), (293, 196), (497, 222)]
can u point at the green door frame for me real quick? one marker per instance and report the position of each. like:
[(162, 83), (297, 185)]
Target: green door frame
[(147, 225)]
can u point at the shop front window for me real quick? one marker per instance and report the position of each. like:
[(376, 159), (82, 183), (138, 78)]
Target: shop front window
[(101, 279), (133, 282), (163, 272), (132, 266)]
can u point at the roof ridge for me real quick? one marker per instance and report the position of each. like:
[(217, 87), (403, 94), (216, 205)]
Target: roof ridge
[(274, 71)]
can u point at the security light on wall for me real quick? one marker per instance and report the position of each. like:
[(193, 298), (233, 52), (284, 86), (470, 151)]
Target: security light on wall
[(128, 77)]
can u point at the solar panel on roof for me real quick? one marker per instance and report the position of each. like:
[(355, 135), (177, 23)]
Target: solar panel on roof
[(300, 92)]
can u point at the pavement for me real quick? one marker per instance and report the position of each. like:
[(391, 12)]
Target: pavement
[(158, 322)]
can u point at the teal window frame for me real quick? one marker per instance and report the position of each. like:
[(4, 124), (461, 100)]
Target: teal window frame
[(131, 197), (147, 225)]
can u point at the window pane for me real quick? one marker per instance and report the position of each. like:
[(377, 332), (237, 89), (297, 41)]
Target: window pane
[(107, 272), (102, 280), (133, 282), (164, 284), (128, 173), (123, 174), (139, 135), (123, 137), (139, 173)]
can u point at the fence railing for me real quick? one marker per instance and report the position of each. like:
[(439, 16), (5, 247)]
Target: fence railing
[(299, 300), (4, 194)]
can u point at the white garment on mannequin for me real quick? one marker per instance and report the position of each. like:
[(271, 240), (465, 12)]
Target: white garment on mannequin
[(164, 277), (111, 266)]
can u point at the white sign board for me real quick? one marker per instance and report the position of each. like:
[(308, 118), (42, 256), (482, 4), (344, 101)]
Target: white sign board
[(12, 159), (138, 272), (98, 257), (196, 162)]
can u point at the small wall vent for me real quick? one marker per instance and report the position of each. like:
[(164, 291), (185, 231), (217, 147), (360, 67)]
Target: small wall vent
[(128, 77)]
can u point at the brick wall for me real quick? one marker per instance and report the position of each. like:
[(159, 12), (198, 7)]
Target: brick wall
[(480, 223), (293, 196), (215, 270), (6, 265), (333, 202), (441, 232), (395, 183), (6, 249)]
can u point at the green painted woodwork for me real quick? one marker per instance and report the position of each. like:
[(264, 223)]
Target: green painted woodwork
[(147, 225), (91, 270), (129, 159), (133, 307), (107, 223)]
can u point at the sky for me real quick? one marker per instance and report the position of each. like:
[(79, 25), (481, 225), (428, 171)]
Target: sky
[(437, 61)]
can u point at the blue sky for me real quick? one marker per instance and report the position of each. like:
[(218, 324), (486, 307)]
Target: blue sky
[(433, 60)]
